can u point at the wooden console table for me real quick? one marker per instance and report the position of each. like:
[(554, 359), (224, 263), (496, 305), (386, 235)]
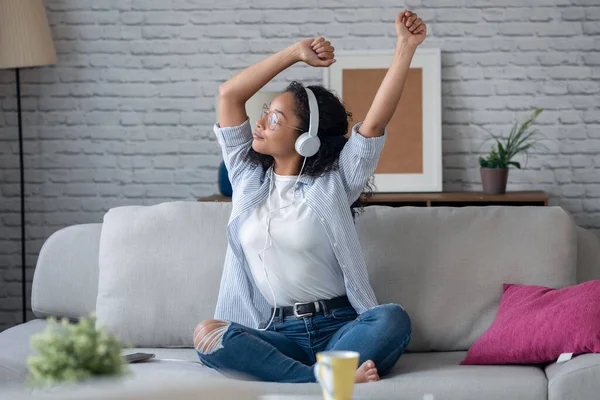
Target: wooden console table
[(445, 199)]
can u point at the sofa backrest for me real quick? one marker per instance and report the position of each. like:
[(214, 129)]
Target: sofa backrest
[(446, 266)]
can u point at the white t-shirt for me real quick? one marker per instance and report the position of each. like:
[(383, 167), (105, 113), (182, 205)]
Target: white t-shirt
[(300, 263)]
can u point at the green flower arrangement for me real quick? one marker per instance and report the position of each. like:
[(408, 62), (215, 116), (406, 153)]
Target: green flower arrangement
[(73, 352)]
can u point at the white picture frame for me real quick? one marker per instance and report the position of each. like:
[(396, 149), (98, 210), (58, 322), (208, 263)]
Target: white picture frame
[(429, 60)]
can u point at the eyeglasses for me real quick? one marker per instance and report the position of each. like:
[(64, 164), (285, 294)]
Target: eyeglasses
[(273, 119)]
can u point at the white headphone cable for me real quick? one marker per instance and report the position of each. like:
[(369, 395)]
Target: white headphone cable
[(268, 240)]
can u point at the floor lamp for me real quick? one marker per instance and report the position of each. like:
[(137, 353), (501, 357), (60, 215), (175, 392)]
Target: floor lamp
[(25, 41)]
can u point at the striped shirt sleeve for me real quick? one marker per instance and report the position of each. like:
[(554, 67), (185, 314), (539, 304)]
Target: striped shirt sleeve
[(358, 161), (235, 143)]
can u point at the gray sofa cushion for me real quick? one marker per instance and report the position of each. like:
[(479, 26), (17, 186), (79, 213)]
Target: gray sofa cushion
[(446, 266), (65, 282), (160, 268), (574, 379)]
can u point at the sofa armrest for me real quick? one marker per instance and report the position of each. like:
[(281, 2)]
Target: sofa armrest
[(578, 378), (588, 256), (65, 282)]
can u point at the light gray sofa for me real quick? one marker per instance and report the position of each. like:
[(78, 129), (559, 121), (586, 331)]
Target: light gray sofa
[(446, 266)]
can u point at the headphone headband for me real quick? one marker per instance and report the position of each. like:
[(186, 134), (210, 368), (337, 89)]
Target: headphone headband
[(313, 127), (307, 145)]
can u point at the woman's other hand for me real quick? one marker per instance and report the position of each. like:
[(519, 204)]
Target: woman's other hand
[(410, 28)]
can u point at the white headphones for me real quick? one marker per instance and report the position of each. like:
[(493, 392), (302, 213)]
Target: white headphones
[(308, 143)]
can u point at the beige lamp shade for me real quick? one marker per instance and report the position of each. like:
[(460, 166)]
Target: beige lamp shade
[(25, 39)]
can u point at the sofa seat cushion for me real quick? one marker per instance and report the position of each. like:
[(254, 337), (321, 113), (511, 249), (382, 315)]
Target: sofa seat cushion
[(415, 375), (574, 379), (170, 363), (441, 375), (14, 343)]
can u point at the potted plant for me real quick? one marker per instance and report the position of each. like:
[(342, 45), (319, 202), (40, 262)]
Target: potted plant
[(69, 352), (494, 167)]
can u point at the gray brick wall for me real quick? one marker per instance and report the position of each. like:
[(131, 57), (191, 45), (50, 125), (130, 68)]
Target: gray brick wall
[(125, 118)]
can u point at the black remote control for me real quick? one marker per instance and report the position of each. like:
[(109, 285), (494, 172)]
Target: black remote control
[(138, 357)]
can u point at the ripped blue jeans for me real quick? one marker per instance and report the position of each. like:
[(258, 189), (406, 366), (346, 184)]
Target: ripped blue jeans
[(286, 351)]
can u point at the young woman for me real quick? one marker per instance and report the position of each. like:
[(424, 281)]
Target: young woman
[(295, 281)]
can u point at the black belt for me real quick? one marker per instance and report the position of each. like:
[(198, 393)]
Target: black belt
[(303, 310)]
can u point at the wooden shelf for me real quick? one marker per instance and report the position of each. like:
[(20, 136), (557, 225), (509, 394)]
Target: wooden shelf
[(444, 199)]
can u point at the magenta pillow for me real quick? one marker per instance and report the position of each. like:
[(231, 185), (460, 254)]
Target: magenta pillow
[(536, 324)]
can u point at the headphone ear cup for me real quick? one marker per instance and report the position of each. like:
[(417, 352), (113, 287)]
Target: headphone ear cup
[(307, 146)]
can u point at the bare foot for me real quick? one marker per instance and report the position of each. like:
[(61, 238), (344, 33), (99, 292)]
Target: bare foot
[(367, 372)]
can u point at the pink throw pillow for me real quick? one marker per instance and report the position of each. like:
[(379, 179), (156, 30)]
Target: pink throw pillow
[(536, 324)]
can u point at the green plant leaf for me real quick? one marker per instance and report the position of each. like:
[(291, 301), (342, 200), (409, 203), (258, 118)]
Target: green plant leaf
[(520, 140)]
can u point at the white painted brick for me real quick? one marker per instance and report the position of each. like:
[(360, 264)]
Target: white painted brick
[(470, 88), (166, 191), (448, 30), (573, 14), (583, 102), (551, 59), (569, 117), (311, 4), (481, 30), (534, 44), (517, 29), (512, 73), (572, 205), (278, 31), (497, 15), (300, 16), (586, 175), (591, 117), (582, 87), (591, 28), (592, 13), (458, 15), (360, 15), (564, 29), (592, 59), (86, 18), (582, 43), (566, 72), (515, 88), (491, 117), (371, 29), (593, 132)]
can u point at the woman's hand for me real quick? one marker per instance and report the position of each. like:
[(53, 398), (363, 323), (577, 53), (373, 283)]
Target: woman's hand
[(316, 52), (410, 28)]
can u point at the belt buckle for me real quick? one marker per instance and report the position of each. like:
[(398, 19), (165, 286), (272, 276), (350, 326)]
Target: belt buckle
[(295, 308)]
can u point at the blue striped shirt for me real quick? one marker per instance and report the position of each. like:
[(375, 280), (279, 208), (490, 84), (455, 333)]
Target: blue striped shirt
[(329, 196)]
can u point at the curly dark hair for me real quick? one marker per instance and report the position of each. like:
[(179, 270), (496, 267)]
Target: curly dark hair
[(333, 125)]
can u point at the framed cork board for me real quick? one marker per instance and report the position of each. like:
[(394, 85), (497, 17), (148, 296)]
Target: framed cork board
[(411, 160)]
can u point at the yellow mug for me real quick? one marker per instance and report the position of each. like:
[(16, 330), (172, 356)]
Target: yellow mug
[(335, 371)]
